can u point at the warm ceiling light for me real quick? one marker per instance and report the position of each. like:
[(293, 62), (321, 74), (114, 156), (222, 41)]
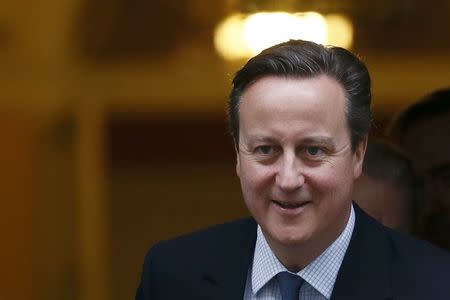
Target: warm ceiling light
[(262, 30), (229, 38), (340, 30), (242, 36)]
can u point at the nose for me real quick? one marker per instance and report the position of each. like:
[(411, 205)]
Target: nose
[(289, 176)]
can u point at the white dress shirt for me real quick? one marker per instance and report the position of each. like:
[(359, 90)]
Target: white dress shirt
[(319, 276)]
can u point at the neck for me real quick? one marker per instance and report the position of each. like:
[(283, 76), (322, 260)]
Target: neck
[(296, 257)]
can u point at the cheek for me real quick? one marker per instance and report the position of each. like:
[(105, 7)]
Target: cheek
[(331, 179), (255, 175), (255, 181), (330, 175)]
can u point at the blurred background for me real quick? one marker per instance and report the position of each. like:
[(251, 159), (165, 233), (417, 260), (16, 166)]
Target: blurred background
[(112, 117)]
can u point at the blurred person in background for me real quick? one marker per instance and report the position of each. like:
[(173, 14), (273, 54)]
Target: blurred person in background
[(299, 115), (386, 188), (423, 132)]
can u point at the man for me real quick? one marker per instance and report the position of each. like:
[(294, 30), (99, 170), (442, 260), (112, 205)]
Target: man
[(299, 116), (386, 190), (423, 132)]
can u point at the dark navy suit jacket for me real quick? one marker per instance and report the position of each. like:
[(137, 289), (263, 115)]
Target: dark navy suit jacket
[(213, 264)]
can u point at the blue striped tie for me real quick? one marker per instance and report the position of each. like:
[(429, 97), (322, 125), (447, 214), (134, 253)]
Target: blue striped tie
[(289, 285)]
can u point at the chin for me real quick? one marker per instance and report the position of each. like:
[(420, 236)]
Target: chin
[(291, 239), (295, 241)]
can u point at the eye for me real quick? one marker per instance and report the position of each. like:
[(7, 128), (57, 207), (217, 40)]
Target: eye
[(265, 149), (313, 150)]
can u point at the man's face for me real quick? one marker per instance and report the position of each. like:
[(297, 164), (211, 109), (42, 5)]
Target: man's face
[(428, 146), (295, 160)]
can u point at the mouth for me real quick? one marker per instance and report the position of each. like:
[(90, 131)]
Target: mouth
[(290, 205)]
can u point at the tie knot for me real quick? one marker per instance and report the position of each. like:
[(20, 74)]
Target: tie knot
[(289, 285)]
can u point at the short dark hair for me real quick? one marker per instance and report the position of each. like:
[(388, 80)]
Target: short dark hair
[(304, 59), (433, 104)]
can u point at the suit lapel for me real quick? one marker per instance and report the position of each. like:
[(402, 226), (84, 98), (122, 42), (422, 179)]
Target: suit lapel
[(226, 274), (365, 271)]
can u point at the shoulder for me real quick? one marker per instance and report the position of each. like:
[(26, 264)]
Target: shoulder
[(420, 255), (203, 244), (186, 261), (405, 250), (419, 268)]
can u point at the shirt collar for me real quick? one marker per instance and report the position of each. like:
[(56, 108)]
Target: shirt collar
[(321, 273)]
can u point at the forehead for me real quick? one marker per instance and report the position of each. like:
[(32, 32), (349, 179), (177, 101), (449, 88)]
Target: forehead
[(294, 107), (290, 95)]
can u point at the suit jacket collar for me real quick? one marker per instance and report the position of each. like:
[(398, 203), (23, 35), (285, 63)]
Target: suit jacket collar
[(365, 271)]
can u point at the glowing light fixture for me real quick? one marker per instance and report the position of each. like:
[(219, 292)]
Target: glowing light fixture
[(262, 30), (340, 30), (229, 38), (241, 36)]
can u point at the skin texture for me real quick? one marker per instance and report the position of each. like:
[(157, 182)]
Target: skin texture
[(294, 149)]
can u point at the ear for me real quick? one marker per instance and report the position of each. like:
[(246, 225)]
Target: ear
[(238, 164), (358, 157)]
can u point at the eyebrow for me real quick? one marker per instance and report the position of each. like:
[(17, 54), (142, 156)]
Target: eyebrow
[(321, 140), (260, 139)]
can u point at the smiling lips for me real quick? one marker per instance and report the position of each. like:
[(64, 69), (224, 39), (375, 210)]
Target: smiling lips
[(290, 205)]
